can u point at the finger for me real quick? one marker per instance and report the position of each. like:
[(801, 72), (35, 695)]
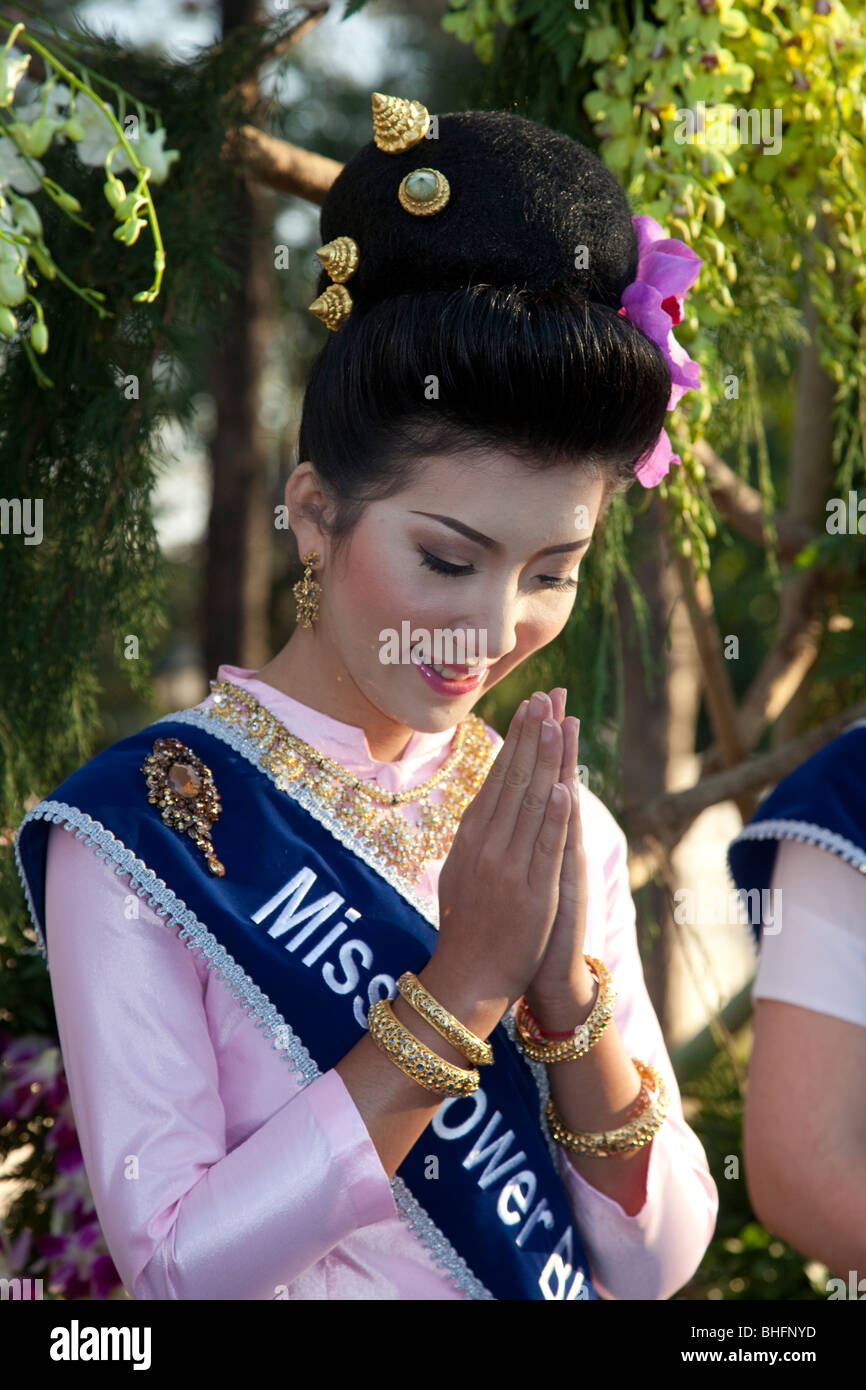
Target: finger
[(550, 842), (519, 775), (570, 729), (484, 804), (557, 697), (536, 798), (568, 775)]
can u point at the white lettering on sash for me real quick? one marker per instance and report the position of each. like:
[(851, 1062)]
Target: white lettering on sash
[(540, 1213), (303, 876), (478, 1100), (562, 1270), (290, 915), (513, 1192), (380, 987), (351, 976), (312, 956), (495, 1148)]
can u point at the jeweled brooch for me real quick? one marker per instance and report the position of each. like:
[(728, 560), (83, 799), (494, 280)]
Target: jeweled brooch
[(183, 788)]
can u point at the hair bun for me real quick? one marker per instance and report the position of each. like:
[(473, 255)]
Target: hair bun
[(523, 199)]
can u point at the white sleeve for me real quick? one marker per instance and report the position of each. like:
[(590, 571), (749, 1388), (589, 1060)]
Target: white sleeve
[(814, 953)]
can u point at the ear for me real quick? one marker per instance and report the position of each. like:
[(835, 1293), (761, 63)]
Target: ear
[(305, 503)]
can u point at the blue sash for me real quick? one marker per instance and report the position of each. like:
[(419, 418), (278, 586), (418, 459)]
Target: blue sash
[(306, 955), (822, 802)]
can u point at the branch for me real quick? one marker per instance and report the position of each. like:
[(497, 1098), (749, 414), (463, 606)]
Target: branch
[(718, 691), (740, 505), (281, 165), (667, 816), (783, 669)]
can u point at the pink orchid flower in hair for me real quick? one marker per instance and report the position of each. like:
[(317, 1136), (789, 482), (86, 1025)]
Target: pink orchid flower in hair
[(653, 302)]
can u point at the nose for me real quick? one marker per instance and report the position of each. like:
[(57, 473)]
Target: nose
[(493, 632)]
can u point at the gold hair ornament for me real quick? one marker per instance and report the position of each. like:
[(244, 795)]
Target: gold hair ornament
[(398, 124), (424, 192), (340, 259)]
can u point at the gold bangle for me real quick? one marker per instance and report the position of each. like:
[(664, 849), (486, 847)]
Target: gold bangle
[(414, 1058), (578, 1043), (628, 1137), (474, 1049)]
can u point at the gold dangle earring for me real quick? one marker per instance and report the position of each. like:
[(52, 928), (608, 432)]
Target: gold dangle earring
[(307, 592)]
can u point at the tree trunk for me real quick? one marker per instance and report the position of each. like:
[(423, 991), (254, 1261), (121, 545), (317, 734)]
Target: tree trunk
[(646, 742), (235, 602), (808, 487)]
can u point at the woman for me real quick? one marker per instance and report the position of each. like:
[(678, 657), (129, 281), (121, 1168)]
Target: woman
[(295, 1135), (803, 856)]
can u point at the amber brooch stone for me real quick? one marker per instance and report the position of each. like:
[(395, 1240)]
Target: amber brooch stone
[(183, 788)]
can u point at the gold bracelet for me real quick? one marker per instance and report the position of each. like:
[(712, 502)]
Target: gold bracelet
[(581, 1039), (414, 1058), (474, 1049), (627, 1138)]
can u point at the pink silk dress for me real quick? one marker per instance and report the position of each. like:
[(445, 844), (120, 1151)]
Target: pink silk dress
[(217, 1175)]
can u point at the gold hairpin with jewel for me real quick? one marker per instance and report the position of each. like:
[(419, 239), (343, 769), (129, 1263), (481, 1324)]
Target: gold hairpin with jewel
[(183, 788), (398, 125)]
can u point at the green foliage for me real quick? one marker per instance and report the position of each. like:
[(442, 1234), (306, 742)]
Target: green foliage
[(771, 225), (88, 449)]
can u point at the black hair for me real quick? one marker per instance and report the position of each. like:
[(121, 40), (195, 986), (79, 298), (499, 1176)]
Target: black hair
[(482, 325)]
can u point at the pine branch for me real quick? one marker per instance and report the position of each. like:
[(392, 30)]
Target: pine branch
[(312, 15)]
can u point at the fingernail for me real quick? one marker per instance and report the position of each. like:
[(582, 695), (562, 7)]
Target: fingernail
[(536, 704), (547, 730)]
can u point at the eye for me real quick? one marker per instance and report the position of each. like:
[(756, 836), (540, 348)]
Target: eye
[(433, 562), (551, 583), (442, 566)]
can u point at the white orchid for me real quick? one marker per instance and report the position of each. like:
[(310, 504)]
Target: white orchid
[(15, 172), (149, 148), (99, 135), (51, 103), (13, 65)]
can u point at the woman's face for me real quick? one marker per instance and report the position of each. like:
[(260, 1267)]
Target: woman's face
[(407, 572)]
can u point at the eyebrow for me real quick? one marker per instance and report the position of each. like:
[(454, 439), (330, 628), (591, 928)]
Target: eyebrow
[(490, 544)]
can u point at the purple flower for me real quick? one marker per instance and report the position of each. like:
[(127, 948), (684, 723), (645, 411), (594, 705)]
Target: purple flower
[(33, 1077), (653, 302), (77, 1270)]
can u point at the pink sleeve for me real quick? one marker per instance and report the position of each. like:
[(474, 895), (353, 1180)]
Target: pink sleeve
[(182, 1217), (655, 1252)]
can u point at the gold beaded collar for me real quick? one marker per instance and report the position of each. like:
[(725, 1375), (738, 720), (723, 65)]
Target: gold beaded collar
[(363, 807)]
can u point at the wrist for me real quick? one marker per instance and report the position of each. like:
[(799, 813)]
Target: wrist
[(569, 1005), (461, 998)]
